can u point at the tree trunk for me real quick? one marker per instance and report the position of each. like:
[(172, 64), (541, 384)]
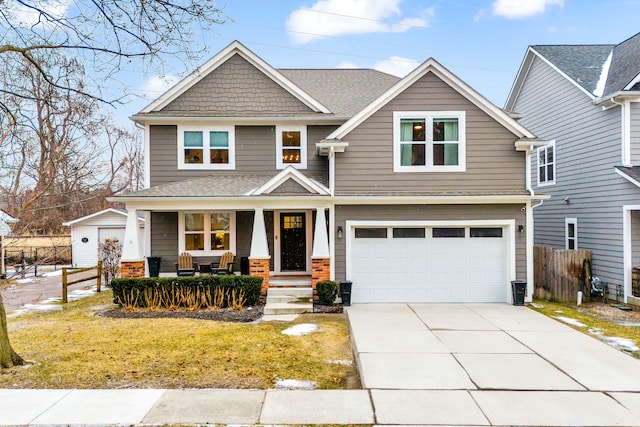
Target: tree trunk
[(8, 357)]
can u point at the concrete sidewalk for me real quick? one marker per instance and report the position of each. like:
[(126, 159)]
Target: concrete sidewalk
[(489, 364)]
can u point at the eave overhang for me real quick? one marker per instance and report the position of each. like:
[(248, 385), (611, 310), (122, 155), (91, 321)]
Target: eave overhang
[(325, 146), (528, 144)]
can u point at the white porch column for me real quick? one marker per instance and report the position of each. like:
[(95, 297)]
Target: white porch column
[(132, 245), (259, 245), (320, 238)]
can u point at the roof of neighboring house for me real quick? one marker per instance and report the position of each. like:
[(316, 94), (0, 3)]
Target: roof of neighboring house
[(119, 211), (344, 91), (582, 63), (6, 217), (625, 66), (632, 174)]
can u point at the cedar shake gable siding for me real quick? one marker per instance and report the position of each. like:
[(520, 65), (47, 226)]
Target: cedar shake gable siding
[(237, 86), (492, 162)]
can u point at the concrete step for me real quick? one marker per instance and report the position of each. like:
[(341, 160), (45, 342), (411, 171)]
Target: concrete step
[(289, 283), (287, 299), (283, 308), (291, 292)]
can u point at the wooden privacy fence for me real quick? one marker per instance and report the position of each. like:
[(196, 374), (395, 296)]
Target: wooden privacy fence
[(558, 272), (66, 272)]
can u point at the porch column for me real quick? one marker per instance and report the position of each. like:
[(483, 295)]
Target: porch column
[(132, 261), (320, 257), (259, 256)]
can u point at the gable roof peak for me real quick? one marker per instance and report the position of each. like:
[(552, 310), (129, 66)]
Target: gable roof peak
[(234, 48)]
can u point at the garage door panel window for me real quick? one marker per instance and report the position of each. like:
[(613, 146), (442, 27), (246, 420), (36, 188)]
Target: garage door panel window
[(371, 233), (409, 233), (495, 232), (448, 232)]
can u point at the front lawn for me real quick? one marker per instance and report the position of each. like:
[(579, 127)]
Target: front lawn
[(617, 328), (75, 348)]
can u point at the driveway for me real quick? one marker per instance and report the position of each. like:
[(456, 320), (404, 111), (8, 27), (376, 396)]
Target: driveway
[(488, 364)]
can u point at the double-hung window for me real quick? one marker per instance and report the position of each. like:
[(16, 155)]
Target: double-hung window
[(547, 164), (206, 148), (429, 141), (206, 233), (291, 147)]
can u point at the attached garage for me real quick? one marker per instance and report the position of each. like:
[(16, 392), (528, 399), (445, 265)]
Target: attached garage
[(439, 262)]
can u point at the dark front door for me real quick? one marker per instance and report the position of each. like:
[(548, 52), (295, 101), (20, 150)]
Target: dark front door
[(293, 242)]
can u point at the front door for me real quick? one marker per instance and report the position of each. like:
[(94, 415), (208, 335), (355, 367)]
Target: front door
[(293, 242)]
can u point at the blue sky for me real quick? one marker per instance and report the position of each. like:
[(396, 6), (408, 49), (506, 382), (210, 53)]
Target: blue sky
[(481, 41)]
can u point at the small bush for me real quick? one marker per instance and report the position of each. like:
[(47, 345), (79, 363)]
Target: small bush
[(190, 293), (327, 291)]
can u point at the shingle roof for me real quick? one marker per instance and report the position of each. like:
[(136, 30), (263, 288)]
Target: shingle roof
[(625, 65), (582, 63), (344, 91), (632, 172)]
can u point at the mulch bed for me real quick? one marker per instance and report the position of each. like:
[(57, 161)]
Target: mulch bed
[(249, 314)]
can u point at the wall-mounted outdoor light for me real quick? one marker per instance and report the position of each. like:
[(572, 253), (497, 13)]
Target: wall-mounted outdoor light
[(340, 233), (521, 228)]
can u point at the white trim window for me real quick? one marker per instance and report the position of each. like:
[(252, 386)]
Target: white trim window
[(429, 141), (291, 147), (211, 147), (571, 233), (206, 232), (547, 164)]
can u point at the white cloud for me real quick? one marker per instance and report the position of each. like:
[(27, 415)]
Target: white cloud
[(396, 66), (337, 17), (347, 64), (479, 15), (27, 17), (156, 86), (516, 9)]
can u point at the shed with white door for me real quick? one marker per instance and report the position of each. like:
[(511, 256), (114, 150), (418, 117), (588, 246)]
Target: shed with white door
[(87, 232)]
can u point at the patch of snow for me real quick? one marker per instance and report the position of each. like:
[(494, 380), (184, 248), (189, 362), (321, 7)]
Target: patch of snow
[(602, 81), (42, 307), (22, 281), (80, 293), (571, 321), (624, 344), (535, 305), (296, 385), (53, 273), (301, 329), (340, 362)]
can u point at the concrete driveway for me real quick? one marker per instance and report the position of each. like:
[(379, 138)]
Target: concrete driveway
[(489, 364)]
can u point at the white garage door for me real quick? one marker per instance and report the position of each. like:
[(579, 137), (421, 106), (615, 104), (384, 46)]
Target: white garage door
[(429, 264), (111, 233)]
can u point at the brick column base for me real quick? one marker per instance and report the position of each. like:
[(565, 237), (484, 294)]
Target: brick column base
[(131, 269), (320, 271), (260, 267)]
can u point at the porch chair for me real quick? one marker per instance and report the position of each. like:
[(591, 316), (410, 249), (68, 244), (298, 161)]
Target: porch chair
[(185, 265), (224, 266)]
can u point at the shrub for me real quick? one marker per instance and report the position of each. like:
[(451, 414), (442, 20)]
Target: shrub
[(327, 291), (190, 293)]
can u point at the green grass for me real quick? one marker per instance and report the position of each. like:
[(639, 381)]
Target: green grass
[(591, 321), (76, 349)]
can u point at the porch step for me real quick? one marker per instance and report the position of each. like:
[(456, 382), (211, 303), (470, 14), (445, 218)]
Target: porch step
[(289, 300), (289, 283)]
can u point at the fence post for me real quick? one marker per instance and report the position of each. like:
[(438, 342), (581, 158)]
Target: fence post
[(64, 285), (99, 279), (35, 263)]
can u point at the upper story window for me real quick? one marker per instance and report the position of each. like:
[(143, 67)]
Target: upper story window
[(291, 146), (547, 164), (212, 147), (429, 141)]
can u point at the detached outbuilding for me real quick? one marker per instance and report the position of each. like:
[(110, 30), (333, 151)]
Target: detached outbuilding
[(87, 232)]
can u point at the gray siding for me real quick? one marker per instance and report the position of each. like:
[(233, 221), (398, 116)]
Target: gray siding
[(635, 133), (430, 213), (492, 161), (588, 146), (239, 87), (164, 239), (635, 238), (255, 154)]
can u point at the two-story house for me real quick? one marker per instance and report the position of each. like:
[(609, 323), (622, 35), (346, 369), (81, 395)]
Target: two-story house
[(415, 189), (585, 100)]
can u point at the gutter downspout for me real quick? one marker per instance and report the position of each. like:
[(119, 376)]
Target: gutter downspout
[(626, 148)]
